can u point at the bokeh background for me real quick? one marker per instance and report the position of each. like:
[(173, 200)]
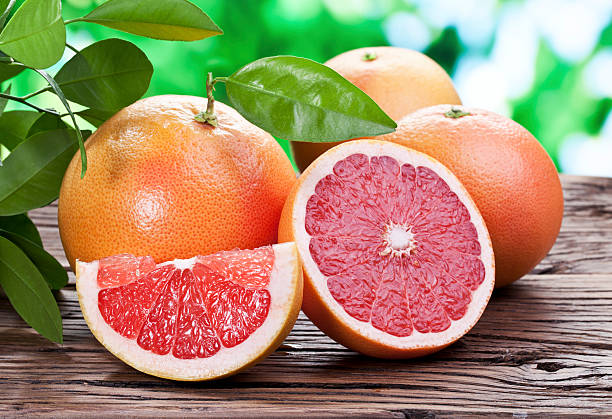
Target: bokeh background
[(545, 63)]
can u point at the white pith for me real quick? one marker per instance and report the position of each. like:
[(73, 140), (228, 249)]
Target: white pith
[(324, 166), (284, 281), (399, 240)]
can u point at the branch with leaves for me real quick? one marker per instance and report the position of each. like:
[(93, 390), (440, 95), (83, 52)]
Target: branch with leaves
[(290, 97)]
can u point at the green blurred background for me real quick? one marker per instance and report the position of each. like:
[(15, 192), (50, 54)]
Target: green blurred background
[(545, 63)]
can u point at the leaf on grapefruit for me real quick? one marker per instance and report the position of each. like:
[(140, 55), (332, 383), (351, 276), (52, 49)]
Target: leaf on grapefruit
[(193, 319), (397, 259)]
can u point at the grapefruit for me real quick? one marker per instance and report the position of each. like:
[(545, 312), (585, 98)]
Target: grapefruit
[(160, 183), (397, 259), (512, 179), (399, 80), (192, 319)]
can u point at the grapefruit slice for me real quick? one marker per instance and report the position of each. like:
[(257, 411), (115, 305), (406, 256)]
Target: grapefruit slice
[(397, 259), (194, 319)]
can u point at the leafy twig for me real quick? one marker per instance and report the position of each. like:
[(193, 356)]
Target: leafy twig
[(36, 93), (60, 95), (31, 105)]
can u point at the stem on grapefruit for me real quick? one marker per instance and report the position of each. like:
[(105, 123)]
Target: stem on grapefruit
[(456, 113), (209, 116), (369, 56)]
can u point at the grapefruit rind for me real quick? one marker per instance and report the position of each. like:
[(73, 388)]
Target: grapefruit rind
[(363, 336), (285, 290)]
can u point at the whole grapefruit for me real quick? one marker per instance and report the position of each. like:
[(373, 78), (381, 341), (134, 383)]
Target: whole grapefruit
[(399, 80), (161, 184), (507, 172)]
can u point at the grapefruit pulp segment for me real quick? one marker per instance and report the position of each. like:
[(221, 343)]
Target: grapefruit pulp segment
[(397, 259), (194, 319)]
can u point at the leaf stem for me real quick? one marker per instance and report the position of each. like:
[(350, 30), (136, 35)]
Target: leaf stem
[(25, 102), (209, 116), (76, 51), (69, 21), (58, 92), (36, 93)]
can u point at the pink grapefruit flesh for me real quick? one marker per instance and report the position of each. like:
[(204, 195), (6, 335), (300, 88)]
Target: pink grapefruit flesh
[(196, 319), (397, 259)]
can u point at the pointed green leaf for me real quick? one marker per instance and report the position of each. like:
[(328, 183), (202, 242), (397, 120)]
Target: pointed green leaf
[(60, 94), (107, 75), (95, 117), (22, 225), (33, 172), (173, 20), (4, 153), (46, 122), (14, 126), (8, 70), (52, 271), (301, 100), (35, 35), (5, 7), (28, 292)]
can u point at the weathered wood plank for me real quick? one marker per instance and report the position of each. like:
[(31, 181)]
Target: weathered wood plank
[(544, 345)]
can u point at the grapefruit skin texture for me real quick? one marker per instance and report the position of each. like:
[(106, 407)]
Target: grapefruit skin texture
[(507, 172), (399, 80), (319, 311), (160, 183)]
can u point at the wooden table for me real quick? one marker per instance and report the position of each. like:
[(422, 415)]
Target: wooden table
[(544, 345)]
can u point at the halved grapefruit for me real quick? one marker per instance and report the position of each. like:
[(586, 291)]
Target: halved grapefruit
[(397, 259), (194, 319)]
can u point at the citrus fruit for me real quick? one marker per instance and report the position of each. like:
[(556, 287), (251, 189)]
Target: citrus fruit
[(160, 183), (399, 80), (192, 319), (508, 173), (397, 259)]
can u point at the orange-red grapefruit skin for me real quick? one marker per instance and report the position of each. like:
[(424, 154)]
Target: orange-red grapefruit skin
[(160, 183), (507, 172)]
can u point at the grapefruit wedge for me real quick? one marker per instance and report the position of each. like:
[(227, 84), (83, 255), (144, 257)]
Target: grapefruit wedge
[(397, 259), (195, 319)]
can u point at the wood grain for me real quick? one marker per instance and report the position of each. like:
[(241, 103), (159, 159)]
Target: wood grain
[(543, 346)]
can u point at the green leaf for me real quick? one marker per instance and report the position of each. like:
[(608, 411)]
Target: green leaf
[(35, 35), (33, 172), (46, 122), (7, 70), (28, 292), (3, 100), (14, 127), (4, 153), (22, 225), (301, 100), (5, 6), (173, 20), (107, 75), (95, 117), (52, 271), (60, 95)]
